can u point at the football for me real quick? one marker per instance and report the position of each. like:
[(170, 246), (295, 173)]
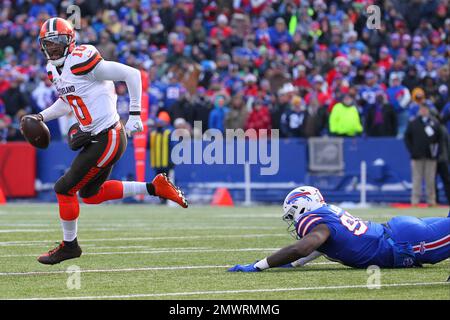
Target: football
[(36, 132)]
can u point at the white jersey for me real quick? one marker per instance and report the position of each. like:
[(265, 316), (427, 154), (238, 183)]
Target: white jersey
[(93, 102)]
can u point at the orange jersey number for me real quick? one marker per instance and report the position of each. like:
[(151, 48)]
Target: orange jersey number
[(78, 51), (80, 109)]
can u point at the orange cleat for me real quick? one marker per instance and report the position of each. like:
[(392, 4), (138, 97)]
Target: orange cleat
[(164, 188)]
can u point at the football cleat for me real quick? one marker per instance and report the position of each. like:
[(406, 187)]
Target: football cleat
[(60, 253), (164, 188)]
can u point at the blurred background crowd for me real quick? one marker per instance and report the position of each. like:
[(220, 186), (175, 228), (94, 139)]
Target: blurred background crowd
[(306, 67)]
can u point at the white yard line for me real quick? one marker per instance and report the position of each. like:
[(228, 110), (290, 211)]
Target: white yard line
[(26, 225), (26, 230), (157, 251), (31, 273), (172, 227), (167, 268), (139, 228), (226, 236), (145, 247), (225, 292)]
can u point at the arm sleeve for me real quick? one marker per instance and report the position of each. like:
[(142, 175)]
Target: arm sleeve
[(56, 110), (114, 71)]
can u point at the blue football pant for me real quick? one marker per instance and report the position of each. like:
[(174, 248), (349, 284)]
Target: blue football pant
[(429, 237)]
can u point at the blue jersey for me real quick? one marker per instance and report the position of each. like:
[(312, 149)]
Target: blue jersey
[(352, 242)]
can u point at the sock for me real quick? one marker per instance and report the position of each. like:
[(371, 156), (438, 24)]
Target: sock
[(70, 228), (150, 189), (133, 188)]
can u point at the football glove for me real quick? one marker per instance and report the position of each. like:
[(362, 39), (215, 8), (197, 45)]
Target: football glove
[(244, 268), (134, 124)]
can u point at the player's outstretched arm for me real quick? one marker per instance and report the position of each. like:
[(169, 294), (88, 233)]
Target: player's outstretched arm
[(303, 261), (302, 248), (114, 71)]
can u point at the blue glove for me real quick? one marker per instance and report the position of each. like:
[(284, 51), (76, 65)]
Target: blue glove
[(244, 268)]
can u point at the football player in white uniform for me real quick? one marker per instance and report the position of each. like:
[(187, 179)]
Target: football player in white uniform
[(84, 82)]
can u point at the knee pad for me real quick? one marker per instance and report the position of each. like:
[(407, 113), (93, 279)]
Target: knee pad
[(69, 208)]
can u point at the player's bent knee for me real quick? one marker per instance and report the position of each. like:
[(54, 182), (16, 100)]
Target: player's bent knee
[(90, 195), (86, 193), (92, 200), (61, 187)]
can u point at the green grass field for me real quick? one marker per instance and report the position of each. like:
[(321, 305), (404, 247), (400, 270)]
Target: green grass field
[(159, 252)]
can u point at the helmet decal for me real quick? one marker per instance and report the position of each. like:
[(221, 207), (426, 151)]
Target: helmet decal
[(297, 195)]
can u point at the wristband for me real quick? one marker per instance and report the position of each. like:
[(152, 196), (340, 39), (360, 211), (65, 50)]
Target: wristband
[(135, 113), (262, 264)]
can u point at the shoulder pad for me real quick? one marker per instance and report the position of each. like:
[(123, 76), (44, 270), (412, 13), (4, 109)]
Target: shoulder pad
[(84, 59), (307, 223)]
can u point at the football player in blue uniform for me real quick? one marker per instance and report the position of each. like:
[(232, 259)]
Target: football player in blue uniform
[(323, 229)]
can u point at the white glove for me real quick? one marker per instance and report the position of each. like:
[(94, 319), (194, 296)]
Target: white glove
[(134, 124)]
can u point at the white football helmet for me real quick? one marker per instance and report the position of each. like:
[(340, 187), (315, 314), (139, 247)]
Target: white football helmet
[(298, 202)]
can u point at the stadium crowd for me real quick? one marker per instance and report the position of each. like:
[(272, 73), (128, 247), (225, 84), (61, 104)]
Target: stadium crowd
[(306, 67)]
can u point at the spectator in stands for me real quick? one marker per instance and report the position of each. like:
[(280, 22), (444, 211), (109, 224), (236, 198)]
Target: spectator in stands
[(381, 119), (285, 94), (301, 80), (217, 115), (344, 118), (422, 138), (279, 33), (293, 119), (316, 120), (197, 35), (399, 98), (201, 109), (173, 91), (237, 115), (385, 60), (183, 108), (16, 103), (259, 119), (369, 91), (222, 31), (442, 97), (443, 162), (445, 116), (106, 47), (418, 99), (411, 79), (319, 92)]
